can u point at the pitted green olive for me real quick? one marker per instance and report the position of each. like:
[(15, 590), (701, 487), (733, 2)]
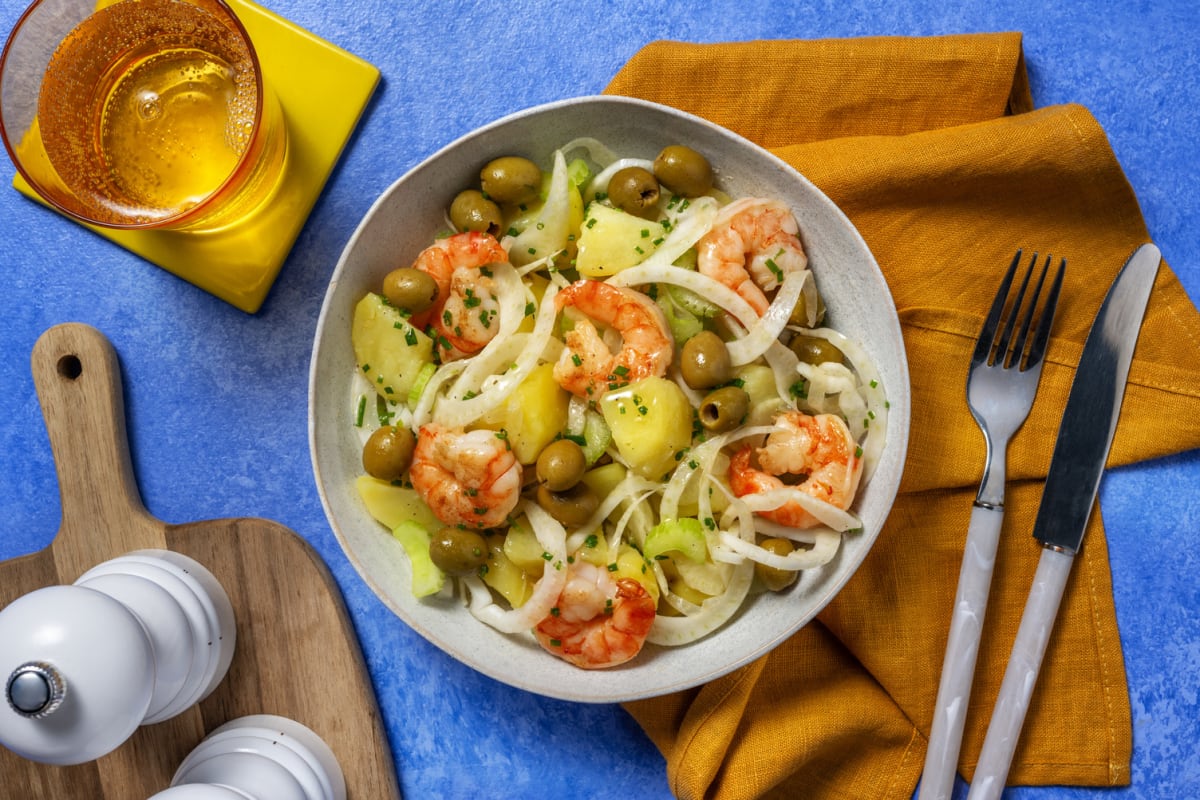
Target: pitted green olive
[(511, 179), (560, 465), (773, 577), (684, 171), (573, 507), (704, 361), (800, 313), (410, 289), (815, 350), (458, 551), (388, 452), (724, 409), (635, 191), (472, 211)]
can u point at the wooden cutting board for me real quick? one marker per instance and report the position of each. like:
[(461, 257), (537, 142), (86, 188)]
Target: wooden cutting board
[(296, 656)]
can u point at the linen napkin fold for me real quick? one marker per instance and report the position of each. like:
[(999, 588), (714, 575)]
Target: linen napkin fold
[(934, 150)]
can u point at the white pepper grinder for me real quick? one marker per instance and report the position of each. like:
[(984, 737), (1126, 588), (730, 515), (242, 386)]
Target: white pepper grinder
[(136, 640), (259, 757)]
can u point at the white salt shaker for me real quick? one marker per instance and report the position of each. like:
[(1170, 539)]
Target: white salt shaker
[(260, 757), (135, 641)]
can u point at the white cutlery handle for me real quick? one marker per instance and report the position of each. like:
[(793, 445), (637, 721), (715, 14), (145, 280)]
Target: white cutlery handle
[(962, 647), (1008, 717)]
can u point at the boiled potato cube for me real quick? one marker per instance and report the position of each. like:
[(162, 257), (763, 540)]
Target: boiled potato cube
[(651, 423), (524, 550), (535, 413), (388, 349), (391, 505), (504, 576), (632, 564), (604, 478), (612, 240)]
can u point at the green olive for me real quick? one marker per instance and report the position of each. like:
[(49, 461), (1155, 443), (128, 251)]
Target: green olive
[(410, 289), (573, 507), (472, 211), (458, 551), (800, 312), (388, 452), (511, 179), (773, 577), (635, 191), (560, 465), (724, 409), (704, 361), (684, 171), (815, 350)]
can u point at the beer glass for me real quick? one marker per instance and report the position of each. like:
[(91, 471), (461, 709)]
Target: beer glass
[(140, 113)]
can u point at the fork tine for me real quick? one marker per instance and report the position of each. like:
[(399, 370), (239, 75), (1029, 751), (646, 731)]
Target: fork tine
[(987, 335), (1042, 335), (1006, 354), (1018, 348)]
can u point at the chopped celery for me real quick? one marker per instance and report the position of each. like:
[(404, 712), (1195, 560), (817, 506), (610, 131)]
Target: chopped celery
[(427, 579), (578, 173), (596, 436), (684, 535), (420, 382), (683, 323), (692, 302)]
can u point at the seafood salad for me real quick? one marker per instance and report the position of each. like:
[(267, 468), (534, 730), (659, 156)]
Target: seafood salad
[(603, 407)]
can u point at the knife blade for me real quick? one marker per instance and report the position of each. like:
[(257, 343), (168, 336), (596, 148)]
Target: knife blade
[(1080, 452)]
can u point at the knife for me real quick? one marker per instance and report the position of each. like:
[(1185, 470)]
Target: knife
[(1084, 437)]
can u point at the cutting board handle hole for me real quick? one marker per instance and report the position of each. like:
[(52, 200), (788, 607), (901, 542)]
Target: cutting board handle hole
[(70, 367)]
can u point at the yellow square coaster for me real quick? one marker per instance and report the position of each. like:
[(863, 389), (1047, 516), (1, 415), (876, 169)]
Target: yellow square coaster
[(323, 91)]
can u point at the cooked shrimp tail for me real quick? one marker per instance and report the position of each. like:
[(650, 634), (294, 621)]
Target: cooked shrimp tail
[(588, 367), (466, 478), (753, 244), (818, 455), (464, 313), (599, 621)]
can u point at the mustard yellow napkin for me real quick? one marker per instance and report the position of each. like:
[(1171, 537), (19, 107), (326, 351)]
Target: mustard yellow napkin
[(934, 150)]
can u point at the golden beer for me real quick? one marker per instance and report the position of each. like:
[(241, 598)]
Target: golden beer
[(149, 113)]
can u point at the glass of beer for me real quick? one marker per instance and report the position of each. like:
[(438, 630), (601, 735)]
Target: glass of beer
[(140, 113)]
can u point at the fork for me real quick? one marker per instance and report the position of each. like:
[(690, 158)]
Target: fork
[(1001, 385)]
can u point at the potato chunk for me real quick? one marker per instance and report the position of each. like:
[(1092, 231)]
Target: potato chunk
[(535, 413), (388, 349), (651, 423), (611, 241)]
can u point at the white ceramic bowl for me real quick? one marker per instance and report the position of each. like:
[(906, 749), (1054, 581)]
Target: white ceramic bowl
[(402, 222)]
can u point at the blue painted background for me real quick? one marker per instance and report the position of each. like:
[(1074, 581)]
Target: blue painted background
[(216, 399)]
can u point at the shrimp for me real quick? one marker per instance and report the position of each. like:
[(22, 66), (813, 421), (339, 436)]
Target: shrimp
[(820, 449), (464, 313), (587, 367), (753, 244), (599, 621), (466, 478)]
